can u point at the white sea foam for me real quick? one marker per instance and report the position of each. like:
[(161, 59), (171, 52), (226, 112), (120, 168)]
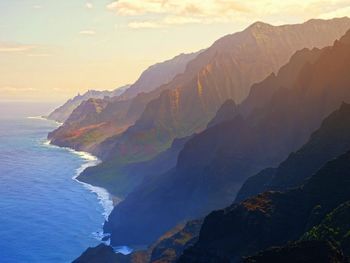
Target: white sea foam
[(44, 119), (102, 194), (125, 250), (37, 118)]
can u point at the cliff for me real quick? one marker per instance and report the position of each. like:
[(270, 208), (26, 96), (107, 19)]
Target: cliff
[(226, 70), (214, 164), (86, 130), (330, 140), (62, 113)]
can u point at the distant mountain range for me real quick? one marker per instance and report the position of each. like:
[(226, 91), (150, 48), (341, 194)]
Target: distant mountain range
[(62, 113), (96, 119), (257, 123)]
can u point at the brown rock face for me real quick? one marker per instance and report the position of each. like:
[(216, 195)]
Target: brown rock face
[(224, 71), (87, 128)]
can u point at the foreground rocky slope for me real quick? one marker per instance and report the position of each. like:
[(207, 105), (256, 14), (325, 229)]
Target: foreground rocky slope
[(302, 252), (214, 164), (271, 218), (309, 224)]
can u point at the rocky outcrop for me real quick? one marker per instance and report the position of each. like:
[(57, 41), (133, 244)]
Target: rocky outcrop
[(101, 254), (170, 246), (326, 242), (334, 229)]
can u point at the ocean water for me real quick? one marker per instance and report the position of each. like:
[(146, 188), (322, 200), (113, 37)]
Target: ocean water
[(45, 215)]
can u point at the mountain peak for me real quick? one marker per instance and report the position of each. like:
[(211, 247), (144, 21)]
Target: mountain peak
[(346, 38), (226, 112), (259, 26)]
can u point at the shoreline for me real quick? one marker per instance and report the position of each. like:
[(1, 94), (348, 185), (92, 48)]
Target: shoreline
[(103, 196), (43, 118), (105, 199)]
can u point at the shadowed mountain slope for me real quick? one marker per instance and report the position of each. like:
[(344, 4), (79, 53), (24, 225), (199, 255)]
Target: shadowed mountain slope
[(326, 143), (214, 164), (301, 252), (271, 218)]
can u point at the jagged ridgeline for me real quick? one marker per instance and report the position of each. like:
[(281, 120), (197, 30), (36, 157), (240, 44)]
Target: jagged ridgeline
[(186, 104), (232, 129), (95, 116), (214, 164), (62, 113)]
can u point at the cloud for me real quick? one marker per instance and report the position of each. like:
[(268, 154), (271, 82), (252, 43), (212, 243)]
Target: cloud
[(144, 24), (339, 12), (37, 7), (177, 7), (15, 48), (87, 32), (166, 13), (89, 5), (16, 89), (39, 55)]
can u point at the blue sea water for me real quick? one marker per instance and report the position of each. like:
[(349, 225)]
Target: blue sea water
[(45, 215)]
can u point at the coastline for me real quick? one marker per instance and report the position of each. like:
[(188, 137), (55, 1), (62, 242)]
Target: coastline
[(103, 196), (43, 118), (106, 200)]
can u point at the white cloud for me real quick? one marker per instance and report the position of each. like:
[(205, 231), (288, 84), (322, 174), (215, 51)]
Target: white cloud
[(165, 13), (177, 7), (89, 5), (144, 24), (87, 32), (14, 47), (37, 7), (341, 12), (16, 89), (39, 55)]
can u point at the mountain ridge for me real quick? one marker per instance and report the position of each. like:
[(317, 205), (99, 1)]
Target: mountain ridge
[(214, 164)]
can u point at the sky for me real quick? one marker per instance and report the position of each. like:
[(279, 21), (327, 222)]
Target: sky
[(51, 50)]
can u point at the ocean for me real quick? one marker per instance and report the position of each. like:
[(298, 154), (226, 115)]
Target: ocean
[(45, 214)]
